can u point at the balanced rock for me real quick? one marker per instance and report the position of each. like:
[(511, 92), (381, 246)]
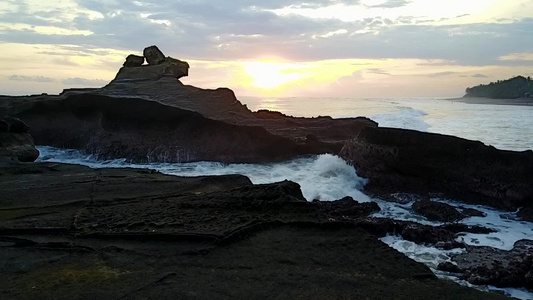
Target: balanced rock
[(153, 55), (158, 67), (133, 61)]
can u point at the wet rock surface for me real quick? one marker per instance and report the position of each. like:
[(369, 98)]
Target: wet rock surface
[(437, 211), (136, 234), (489, 266)]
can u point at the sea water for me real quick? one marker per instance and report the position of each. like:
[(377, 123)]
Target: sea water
[(328, 177)]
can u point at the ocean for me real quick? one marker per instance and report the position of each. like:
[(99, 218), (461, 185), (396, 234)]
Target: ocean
[(328, 177)]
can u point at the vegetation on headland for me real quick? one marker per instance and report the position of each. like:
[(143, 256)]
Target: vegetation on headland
[(516, 87)]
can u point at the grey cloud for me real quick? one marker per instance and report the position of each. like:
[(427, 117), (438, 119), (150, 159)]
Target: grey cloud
[(479, 76), (202, 29), (440, 74), (31, 78), (391, 4), (84, 81), (377, 71)]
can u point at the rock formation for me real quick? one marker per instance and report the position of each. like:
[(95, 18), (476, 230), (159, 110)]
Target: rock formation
[(398, 160), (133, 61), (153, 55), (192, 123), (16, 141), (158, 66), (437, 211)]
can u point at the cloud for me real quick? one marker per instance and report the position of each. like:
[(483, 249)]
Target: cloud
[(440, 74), (479, 76), (31, 78), (248, 29), (84, 82), (517, 57), (377, 71), (390, 4)]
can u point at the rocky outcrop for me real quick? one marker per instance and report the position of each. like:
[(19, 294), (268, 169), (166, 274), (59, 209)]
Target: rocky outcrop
[(158, 67), (133, 61), (437, 211), (139, 234), (489, 266), (16, 141), (147, 131), (398, 160), (159, 84), (153, 55)]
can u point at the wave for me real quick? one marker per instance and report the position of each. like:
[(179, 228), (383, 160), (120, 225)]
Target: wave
[(406, 118)]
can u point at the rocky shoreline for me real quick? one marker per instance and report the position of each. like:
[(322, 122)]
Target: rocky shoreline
[(70, 230)]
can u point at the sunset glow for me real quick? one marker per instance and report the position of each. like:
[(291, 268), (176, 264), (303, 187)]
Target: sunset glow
[(368, 48), (272, 74)]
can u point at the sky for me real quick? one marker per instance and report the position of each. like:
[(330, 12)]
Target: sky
[(276, 48)]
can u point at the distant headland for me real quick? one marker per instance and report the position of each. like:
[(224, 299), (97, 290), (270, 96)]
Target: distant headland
[(513, 88)]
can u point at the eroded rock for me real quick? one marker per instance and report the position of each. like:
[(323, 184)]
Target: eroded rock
[(133, 61), (153, 55), (15, 140)]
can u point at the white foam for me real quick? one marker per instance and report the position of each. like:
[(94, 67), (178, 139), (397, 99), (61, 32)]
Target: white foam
[(406, 118), (429, 256), (325, 177), (509, 228)]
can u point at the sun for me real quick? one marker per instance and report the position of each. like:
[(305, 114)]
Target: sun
[(269, 75)]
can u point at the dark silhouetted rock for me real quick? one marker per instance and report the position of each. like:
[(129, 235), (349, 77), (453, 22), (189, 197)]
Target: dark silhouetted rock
[(485, 265), (449, 267), (170, 67), (408, 161), (148, 131), (153, 55), (15, 141), (458, 228), (437, 211), (347, 208), (133, 61), (526, 213)]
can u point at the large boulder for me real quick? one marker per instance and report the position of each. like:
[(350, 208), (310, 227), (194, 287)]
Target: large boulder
[(153, 55), (158, 67), (133, 61), (170, 67), (399, 160), (16, 141)]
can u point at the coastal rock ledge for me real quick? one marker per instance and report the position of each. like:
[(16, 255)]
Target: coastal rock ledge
[(408, 161)]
